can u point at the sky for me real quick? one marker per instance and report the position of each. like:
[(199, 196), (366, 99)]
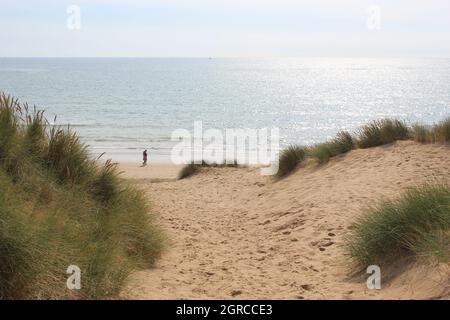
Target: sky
[(224, 28)]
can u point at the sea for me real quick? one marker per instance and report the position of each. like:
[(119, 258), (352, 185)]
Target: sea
[(121, 106)]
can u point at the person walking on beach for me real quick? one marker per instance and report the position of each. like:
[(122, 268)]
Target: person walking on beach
[(144, 155)]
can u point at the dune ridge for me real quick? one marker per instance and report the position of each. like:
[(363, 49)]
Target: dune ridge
[(237, 234)]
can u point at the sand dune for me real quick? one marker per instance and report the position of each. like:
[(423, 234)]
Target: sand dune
[(236, 234)]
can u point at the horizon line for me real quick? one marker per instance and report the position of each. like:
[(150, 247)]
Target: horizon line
[(228, 57)]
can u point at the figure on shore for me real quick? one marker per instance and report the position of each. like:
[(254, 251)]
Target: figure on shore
[(145, 156)]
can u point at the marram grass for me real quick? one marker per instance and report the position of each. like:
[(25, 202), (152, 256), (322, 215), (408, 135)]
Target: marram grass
[(415, 225), (342, 143), (188, 171), (59, 208), (290, 158), (373, 134), (191, 169), (379, 132), (437, 133)]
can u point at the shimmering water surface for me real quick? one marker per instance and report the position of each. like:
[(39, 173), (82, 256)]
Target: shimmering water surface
[(121, 106)]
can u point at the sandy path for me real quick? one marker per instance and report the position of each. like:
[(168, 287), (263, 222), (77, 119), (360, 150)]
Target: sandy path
[(236, 234)]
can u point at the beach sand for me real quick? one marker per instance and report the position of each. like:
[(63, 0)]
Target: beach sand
[(234, 234), (153, 172)]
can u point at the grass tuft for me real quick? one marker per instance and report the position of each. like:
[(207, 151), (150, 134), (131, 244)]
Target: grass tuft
[(67, 157), (189, 170), (416, 225), (322, 152), (381, 132), (193, 168), (421, 133), (343, 143), (105, 186), (290, 158), (58, 208), (441, 131), (438, 133), (35, 136)]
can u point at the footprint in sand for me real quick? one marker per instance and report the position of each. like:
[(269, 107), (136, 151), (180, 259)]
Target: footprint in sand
[(235, 293)]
